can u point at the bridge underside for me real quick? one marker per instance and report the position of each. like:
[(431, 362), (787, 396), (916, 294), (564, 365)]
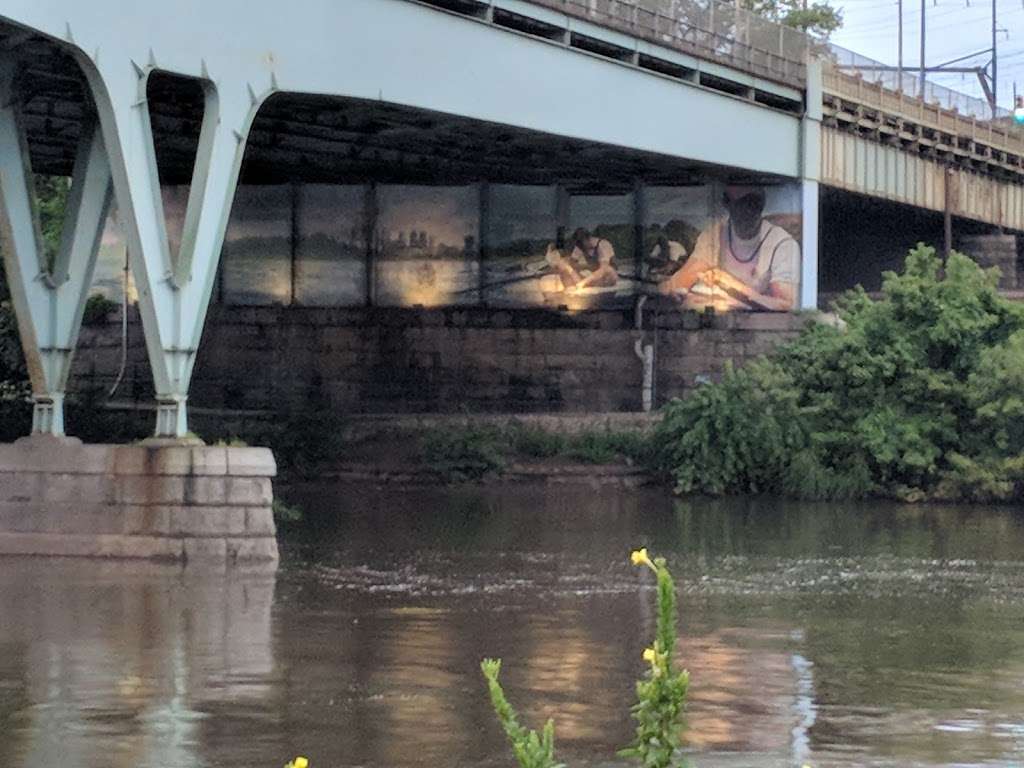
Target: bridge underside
[(320, 139), (473, 206)]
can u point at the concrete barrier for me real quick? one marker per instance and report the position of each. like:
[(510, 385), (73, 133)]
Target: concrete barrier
[(61, 497)]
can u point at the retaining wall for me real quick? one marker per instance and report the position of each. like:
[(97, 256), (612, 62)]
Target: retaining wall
[(375, 360)]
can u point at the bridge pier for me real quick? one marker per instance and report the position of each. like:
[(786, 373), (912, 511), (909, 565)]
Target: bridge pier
[(174, 288), (170, 499), (810, 173), (48, 290)]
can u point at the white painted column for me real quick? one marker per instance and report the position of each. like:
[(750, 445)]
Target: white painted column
[(174, 288), (48, 298), (810, 151), (809, 245)]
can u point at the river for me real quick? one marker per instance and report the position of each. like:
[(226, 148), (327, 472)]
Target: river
[(866, 634)]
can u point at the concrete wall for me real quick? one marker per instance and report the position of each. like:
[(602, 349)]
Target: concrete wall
[(376, 360)]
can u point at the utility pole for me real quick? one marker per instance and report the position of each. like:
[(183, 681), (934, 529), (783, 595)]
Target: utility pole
[(899, 46), (921, 91), (995, 60)]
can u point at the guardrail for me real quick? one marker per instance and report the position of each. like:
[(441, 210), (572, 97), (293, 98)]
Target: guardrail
[(941, 109), (725, 33), (908, 82), (709, 29)]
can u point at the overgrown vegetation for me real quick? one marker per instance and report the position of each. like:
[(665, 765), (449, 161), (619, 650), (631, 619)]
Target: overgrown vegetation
[(661, 693), (470, 453), (97, 308), (918, 397), (531, 749), (817, 18), (285, 513)]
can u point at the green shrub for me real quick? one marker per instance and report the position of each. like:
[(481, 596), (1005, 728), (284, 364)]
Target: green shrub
[(736, 436), (919, 396), (537, 443), (464, 454), (285, 513), (593, 448), (97, 308)]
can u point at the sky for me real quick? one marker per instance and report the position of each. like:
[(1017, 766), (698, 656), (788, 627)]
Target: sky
[(954, 28)]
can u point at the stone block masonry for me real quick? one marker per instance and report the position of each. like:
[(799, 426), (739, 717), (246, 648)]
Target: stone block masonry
[(59, 497), (377, 360)]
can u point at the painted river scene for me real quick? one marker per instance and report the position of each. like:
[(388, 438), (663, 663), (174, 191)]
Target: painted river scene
[(822, 634)]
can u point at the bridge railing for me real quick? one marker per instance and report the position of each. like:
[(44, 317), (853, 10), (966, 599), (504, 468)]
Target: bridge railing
[(709, 29), (908, 82), (722, 32), (858, 79)]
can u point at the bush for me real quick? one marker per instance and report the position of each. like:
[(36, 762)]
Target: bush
[(464, 454), (97, 308), (537, 443), (917, 397), (733, 437)]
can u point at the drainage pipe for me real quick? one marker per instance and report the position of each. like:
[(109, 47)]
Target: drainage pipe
[(645, 352)]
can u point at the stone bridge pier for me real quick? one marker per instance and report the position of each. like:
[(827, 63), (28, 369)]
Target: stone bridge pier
[(170, 497)]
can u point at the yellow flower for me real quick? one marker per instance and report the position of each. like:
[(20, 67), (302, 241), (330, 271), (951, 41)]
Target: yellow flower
[(639, 557), (650, 656), (298, 762)]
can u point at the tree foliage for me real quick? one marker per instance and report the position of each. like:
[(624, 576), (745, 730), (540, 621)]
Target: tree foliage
[(817, 18), (919, 396)]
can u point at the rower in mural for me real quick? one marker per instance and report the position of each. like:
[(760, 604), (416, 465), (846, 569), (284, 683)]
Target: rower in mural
[(590, 264), (752, 262)]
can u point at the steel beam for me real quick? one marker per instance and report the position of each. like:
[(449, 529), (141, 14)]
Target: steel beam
[(48, 299), (174, 288)]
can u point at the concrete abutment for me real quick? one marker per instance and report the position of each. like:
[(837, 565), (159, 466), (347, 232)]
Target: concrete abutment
[(60, 497)]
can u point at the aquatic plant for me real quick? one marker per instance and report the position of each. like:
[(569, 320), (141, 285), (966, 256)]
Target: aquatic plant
[(661, 693), (532, 750)]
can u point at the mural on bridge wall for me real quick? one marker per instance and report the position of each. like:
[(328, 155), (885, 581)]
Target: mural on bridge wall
[(426, 246), (731, 247)]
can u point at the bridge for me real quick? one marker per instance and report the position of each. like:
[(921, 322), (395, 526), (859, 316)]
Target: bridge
[(587, 98)]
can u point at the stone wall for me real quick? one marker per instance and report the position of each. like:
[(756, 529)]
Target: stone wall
[(375, 360), (60, 497)]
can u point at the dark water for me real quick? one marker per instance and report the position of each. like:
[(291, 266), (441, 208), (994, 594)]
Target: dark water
[(832, 635)]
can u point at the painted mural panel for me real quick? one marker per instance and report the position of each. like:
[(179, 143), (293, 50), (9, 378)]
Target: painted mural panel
[(333, 226), (256, 261), (426, 246), (547, 247), (108, 279), (522, 227), (745, 257)]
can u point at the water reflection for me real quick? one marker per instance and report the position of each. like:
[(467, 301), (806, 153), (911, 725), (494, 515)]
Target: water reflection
[(836, 636), (127, 665)]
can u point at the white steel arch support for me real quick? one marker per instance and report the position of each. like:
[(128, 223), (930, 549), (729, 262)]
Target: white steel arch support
[(48, 299), (174, 289)]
